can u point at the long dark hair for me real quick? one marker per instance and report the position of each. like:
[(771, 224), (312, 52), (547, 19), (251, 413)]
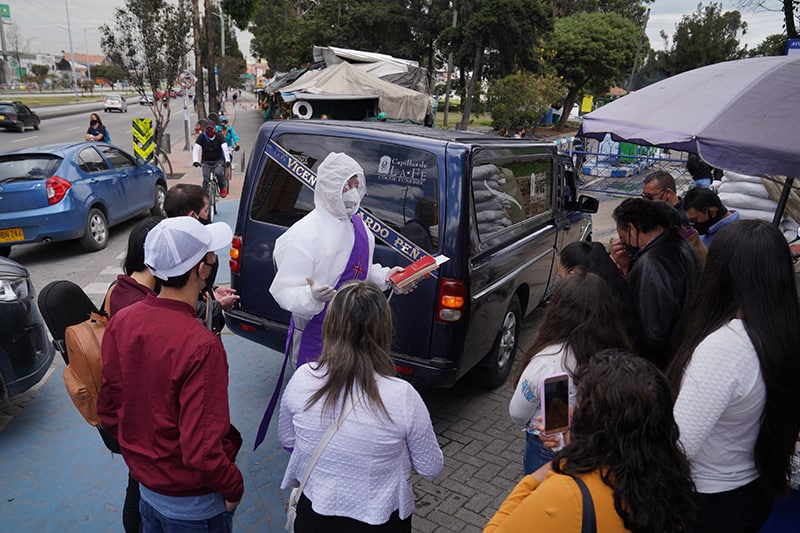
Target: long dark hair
[(749, 275), (623, 427), (356, 338), (134, 258), (584, 314)]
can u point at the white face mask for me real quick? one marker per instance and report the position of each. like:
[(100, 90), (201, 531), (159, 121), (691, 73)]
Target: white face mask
[(351, 199)]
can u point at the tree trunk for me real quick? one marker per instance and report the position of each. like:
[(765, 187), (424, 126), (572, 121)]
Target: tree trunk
[(212, 82), (569, 101), (199, 93), (476, 74), (788, 16)]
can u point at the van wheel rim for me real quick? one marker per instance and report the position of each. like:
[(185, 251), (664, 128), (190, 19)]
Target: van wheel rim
[(507, 339)]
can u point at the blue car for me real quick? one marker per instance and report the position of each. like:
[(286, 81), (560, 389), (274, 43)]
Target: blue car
[(73, 191)]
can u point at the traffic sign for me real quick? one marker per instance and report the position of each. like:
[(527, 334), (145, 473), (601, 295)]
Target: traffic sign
[(186, 79)]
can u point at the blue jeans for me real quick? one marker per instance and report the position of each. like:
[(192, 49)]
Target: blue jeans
[(155, 522), (536, 454)]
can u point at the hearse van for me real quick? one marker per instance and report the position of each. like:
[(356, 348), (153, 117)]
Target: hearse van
[(499, 208)]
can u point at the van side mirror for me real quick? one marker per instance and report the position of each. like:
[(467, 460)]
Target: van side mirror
[(588, 204)]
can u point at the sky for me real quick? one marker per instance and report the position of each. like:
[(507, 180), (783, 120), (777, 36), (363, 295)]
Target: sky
[(43, 23)]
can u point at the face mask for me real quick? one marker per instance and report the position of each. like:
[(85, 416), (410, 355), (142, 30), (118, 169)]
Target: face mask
[(351, 200), (633, 251), (93, 123), (703, 227)]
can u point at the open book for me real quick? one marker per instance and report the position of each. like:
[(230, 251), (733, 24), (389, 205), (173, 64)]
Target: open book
[(417, 269)]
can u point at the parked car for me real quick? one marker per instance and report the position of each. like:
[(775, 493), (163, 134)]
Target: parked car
[(73, 191), (504, 208), (115, 102), (147, 99), (17, 116), (25, 350)]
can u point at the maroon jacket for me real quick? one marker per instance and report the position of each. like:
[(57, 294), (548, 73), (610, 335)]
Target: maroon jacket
[(164, 396), (127, 291)]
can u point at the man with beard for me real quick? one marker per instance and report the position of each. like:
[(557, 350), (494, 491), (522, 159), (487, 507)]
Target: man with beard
[(706, 213)]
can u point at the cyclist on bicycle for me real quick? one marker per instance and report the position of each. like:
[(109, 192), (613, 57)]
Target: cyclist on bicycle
[(229, 134), (211, 151)]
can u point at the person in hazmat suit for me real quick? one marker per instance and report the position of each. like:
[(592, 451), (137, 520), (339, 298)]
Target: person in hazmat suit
[(328, 247)]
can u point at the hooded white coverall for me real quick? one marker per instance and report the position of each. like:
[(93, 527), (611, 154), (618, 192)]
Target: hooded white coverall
[(319, 244)]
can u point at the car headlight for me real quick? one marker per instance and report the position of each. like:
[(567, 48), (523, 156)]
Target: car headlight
[(13, 289)]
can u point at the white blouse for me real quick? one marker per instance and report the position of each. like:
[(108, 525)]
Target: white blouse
[(364, 472), (719, 409), (526, 403)]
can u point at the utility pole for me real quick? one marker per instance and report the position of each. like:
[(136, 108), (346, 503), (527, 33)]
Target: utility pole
[(6, 70), (71, 55), (449, 74), (638, 49)]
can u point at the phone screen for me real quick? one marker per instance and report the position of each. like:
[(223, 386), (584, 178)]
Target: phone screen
[(555, 400)]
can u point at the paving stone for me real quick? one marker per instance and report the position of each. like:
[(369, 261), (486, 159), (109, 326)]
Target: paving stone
[(446, 521)]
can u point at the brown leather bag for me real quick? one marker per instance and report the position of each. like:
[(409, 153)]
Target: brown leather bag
[(83, 374)]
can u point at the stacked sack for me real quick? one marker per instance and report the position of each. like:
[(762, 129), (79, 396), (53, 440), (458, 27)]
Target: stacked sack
[(494, 207), (749, 196)]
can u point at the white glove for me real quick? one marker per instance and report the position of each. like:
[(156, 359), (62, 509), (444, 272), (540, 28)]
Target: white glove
[(321, 293), (406, 289)]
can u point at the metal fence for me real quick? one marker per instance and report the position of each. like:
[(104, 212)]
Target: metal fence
[(620, 168)]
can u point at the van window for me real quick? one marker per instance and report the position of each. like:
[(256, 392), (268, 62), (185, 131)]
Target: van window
[(402, 185), (508, 190)]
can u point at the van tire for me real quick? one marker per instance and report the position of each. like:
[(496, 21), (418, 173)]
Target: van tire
[(501, 359)]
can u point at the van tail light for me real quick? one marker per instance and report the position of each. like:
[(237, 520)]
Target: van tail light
[(451, 300), (235, 253), (56, 189)]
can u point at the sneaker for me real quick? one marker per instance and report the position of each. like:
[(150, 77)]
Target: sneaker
[(223, 192)]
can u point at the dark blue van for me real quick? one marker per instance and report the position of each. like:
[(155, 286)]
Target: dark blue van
[(503, 207)]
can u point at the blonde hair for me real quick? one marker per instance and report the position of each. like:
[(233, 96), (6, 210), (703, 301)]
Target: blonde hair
[(356, 340)]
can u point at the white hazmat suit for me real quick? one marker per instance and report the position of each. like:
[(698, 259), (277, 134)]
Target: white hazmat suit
[(319, 244)]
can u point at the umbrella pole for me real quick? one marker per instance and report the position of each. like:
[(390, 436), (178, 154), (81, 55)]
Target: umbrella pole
[(787, 188)]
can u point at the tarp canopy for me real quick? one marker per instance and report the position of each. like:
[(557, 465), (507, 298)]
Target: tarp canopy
[(345, 80), (405, 72)]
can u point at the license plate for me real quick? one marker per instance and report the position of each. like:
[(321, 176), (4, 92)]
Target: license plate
[(2, 117), (11, 235)]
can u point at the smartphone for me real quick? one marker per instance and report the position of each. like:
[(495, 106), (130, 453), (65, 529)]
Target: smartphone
[(555, 403)]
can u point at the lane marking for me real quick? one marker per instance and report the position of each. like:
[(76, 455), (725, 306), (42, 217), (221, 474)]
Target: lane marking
[(111, 271), (96, 288), (25, 139)]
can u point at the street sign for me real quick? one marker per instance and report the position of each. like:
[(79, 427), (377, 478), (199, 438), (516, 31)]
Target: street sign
[(143, 141), (5, 11), (186, 79)]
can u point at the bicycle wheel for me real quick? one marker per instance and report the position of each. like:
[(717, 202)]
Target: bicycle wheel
[(212, 200)]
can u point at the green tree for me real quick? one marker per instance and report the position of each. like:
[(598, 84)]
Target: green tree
[(111, 74), (593, 52), (149, 41), (241, 11), (773, 45), (503, 31), (521, 99), (40, 74), (632, 9), (704, 37)]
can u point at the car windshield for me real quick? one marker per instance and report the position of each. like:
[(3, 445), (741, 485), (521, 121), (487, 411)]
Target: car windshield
[(28, 167)]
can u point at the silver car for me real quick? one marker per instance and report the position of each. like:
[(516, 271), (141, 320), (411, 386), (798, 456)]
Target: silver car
[(115, 102)]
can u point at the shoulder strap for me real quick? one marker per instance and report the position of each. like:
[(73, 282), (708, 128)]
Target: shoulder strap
[(324, 442), (589, 520)]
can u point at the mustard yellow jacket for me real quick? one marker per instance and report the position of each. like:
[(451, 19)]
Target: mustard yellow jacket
[(555, 505)]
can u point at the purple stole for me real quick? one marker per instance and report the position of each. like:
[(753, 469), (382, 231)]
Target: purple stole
[(311, 340), (355, 268)]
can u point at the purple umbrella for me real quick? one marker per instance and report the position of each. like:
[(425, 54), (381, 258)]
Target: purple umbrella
[(739, 115)]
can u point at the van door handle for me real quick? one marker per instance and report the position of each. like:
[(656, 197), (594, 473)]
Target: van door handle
[(567, 226)]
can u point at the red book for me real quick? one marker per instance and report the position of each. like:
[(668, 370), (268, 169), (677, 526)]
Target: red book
[(414, 271)]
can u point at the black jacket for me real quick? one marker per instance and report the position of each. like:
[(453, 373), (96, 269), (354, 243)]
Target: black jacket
[(661, 280)]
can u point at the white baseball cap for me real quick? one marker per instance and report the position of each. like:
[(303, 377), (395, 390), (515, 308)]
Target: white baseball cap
[(177, 244)]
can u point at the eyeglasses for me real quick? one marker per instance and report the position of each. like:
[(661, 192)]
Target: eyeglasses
[(656, 196)]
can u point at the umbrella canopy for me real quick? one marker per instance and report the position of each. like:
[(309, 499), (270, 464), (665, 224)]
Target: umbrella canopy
[(739, 115)]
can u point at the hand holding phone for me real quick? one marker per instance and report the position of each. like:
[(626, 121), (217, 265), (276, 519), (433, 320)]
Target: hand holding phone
[(555, 403)]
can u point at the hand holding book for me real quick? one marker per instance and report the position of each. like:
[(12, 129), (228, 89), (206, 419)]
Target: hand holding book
[(410, 275)]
